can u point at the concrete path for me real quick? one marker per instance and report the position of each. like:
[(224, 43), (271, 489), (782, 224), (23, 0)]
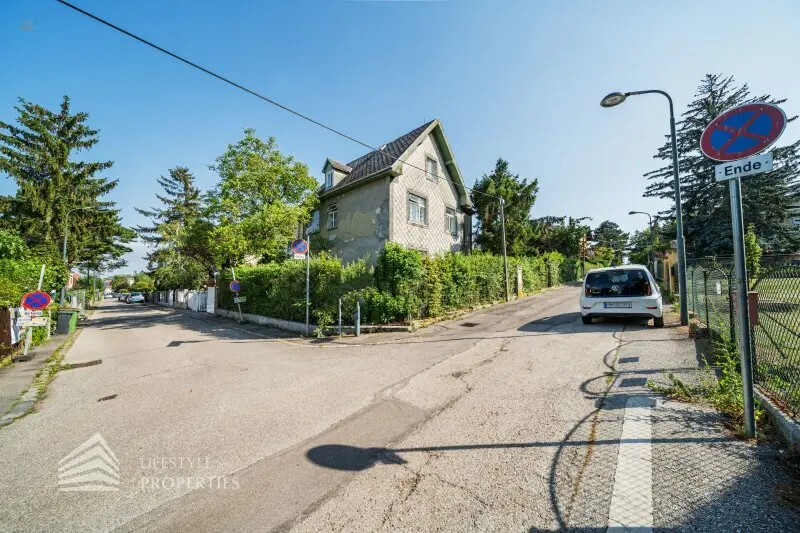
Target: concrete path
[(506, 420), (17, 378)]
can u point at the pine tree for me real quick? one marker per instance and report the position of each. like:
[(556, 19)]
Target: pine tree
[(519, 197), (181, 201), (767, 198), (38, 154), (177, 233)]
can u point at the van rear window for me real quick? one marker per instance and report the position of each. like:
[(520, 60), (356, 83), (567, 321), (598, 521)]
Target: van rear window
[(617, 283)]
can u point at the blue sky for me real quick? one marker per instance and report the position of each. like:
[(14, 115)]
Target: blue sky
[(520, 80)]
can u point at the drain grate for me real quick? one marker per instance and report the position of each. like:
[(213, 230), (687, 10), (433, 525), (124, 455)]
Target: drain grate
[(104, 398)]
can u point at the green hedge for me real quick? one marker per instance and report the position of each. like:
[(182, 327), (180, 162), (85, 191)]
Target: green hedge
[(403, 285)]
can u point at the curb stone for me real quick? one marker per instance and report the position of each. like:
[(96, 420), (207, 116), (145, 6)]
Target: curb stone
[(787, 427)]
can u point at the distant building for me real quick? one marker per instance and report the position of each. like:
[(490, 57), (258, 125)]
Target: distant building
[(410, 191), (72, 279)]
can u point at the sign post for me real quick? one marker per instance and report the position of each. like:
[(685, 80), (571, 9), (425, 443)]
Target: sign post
[(302, 250), (738, 135), (34, 303), (235, 286)]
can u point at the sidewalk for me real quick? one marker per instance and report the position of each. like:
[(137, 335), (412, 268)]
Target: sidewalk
[(677, 467), (18, 378)]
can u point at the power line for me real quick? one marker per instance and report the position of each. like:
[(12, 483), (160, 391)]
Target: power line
[(249, 91)]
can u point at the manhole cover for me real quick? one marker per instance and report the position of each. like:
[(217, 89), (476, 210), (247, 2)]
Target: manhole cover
[(469, 324)]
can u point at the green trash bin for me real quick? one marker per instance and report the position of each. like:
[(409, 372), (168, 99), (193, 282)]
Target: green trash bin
[(66, 321)]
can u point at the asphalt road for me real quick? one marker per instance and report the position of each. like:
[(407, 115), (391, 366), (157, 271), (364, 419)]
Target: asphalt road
[(490, 422)]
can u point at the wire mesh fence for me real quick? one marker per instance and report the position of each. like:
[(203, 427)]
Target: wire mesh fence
[(775, 320)]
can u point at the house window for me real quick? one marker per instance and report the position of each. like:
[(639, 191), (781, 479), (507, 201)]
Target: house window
[(432, 168), (451, 221), (332, 216), (416, 209), (329, 179), (313, 227)]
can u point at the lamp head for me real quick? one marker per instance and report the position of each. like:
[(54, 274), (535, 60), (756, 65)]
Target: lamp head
[(613, 99)]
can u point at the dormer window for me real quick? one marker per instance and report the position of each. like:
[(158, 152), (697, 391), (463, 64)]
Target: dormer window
[(329, 179)]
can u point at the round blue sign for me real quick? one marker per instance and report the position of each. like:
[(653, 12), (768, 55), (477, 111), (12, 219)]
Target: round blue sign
[(235, 286), (299, 246)]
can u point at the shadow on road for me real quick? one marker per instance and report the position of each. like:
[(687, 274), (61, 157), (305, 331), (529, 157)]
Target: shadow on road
[(134, 316), (552, 323), (353, 458)]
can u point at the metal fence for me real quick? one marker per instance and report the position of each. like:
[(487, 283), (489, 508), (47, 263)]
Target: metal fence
[(775, 318)]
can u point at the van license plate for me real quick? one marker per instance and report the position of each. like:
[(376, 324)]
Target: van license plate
[(617, 305)]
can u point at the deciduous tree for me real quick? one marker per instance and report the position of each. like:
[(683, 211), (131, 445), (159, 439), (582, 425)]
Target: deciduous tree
[(262, 197), (608, 234)]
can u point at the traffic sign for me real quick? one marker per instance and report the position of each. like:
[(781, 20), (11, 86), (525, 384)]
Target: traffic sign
[(742, 131), (744, 167), (27, 320), (235, 286), (299, 246), (35, 300), (239, 299)]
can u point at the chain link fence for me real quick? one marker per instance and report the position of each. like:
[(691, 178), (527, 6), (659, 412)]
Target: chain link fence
[(775, 320)]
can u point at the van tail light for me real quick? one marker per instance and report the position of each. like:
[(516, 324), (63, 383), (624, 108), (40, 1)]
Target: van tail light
[(648, 290), (587, 291)]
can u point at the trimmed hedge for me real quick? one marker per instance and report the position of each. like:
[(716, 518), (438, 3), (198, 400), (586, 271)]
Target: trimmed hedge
[(403, 285)]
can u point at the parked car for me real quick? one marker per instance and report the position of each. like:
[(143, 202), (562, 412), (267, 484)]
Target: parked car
[(123, 297), (624, 291), (135, 298)]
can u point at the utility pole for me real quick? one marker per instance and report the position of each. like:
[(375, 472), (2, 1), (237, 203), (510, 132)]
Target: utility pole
[(505, 256)]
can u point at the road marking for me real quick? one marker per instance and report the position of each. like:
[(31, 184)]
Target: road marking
[(632, 499)]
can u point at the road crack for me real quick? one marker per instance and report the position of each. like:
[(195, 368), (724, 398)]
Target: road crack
[(591, 439)]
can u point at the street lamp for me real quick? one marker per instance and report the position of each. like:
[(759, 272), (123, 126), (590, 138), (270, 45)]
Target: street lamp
[(652, 238), (617, 98), (64, 247)]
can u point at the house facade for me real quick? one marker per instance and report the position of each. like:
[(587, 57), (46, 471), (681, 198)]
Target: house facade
[(410, 191)]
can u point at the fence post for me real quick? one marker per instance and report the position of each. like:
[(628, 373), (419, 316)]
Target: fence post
[(358, 319), (340, 317), (705, 297)]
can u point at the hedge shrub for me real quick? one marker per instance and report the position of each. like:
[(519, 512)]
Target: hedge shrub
[(403, 285)]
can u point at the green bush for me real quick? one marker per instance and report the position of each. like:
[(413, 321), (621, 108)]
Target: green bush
[(403, 285), (18, 276)]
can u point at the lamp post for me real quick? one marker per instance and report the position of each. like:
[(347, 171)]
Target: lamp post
[(617, 98), (64, 247), (652, 238)]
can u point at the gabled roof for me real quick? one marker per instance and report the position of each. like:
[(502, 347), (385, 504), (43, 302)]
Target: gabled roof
[(379, 161), (390, 157)]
